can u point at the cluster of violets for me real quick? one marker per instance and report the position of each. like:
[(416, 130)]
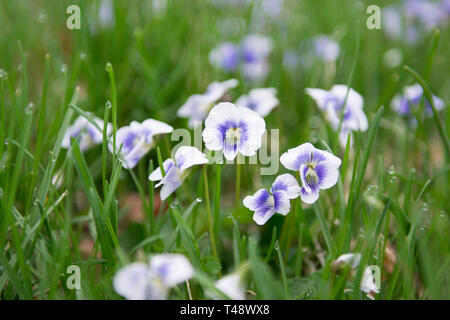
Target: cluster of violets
[(250, 56), (409, 18)]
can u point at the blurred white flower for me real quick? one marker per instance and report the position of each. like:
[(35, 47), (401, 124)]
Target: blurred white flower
[(260, 100), (87, 134), (232, 285), (197, 106), (326, 48), (332, 102), (137, 140), (139, 281), (405, 103), (368, 283), (352, 259)]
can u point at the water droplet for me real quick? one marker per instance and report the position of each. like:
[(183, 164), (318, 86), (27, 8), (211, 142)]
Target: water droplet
[(108, 104), (425, 207), (422, 227), (173, 205), (442, 215), (6, 141), (199, 200), (63, 68), (30, 108), (83, 56), (371, 187)]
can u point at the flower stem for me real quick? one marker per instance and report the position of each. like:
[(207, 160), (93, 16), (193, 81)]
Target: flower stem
[(238, 190), (217, 199), (208, 210)]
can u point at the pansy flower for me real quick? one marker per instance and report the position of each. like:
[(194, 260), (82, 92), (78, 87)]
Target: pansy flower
[(260, 100), (265, 204), (233, 129), (137, 140), (87, 134), (176, 170), (139, 281), (197, 106), (410, 100), (332, 103), (318, 169)]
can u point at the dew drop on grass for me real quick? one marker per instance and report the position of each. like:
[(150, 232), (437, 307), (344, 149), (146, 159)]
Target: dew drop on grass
[(199, 200), (442, 215), (173, 205), (6, 142), (3, 74), (63, 68), (30, 108), (108, 104)]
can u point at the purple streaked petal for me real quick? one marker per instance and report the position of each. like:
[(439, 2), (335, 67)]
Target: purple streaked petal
[(156, 175), (309, 197), (172, 269), (327, 173), (171, 182), (258, 200), (282, 203), (187, 156), (286, 182)]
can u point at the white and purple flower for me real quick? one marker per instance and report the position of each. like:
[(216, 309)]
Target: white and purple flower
[(197, 106), (410, 99), (137, 140), (87, 134), (139, 281), (265, 204), (251, 56), (318, 169), (176, 170), (326, 48), (332, 103), (233, 129), (226, 56), (260, 100)]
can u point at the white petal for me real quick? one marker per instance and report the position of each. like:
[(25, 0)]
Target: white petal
[(196, 107), (171, 182), (287, 183), (319, 95), (282, 202), (260, 100), (172, 269), (368, 282), (309, 197), (354, 98), (156, 175), (132, 281), (256, 126), (351, 259), (252, 202), (157, 127), (216, 90), (220, 113), (327, 173), (187, 156), (413, 92), (295, 157), (232, 286), (262, 216)]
